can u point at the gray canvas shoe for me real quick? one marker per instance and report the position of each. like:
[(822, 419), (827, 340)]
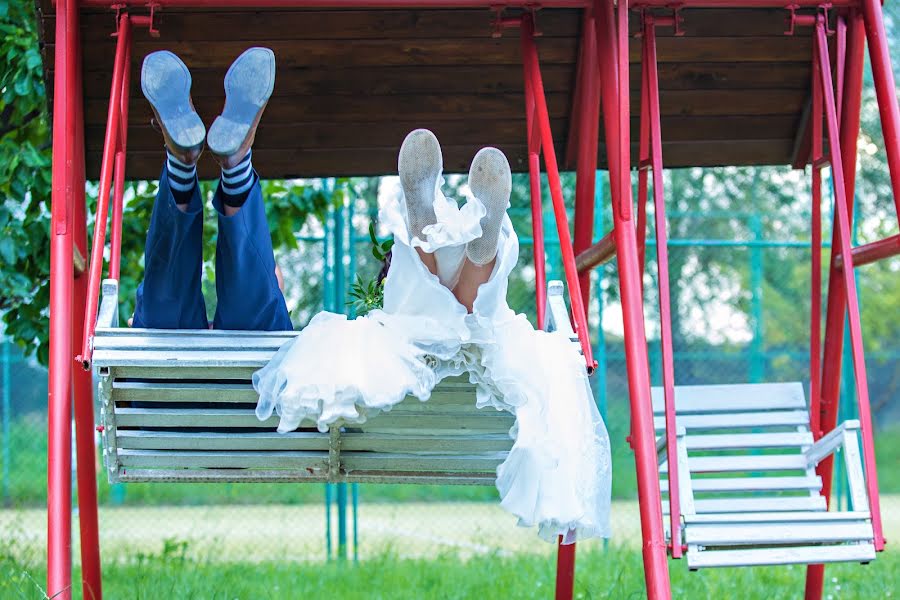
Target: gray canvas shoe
[(166, 84)]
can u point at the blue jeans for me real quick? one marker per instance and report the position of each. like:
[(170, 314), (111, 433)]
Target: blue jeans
[(170, 297)]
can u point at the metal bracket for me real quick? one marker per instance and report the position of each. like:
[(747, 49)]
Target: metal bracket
[(675, 20), (138, 20), (794, 20), (499, 22)]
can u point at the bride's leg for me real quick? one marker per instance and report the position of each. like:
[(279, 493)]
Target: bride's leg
[(490, 182), (420, 164)]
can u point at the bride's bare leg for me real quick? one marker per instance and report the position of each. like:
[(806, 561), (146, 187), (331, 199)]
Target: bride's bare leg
[(490, 182), (471, 277), (420, 164)]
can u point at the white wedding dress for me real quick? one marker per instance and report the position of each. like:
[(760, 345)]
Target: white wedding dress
[(558, 474)]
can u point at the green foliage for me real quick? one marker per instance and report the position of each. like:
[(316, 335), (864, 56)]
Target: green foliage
[(368, 294), (25, 185), (24, 178)]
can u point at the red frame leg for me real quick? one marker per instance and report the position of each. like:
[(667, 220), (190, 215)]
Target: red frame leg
[(643, 436), (59, 395)]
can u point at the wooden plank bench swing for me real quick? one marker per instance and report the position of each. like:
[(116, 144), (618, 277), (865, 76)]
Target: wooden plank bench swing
[(731, 475)]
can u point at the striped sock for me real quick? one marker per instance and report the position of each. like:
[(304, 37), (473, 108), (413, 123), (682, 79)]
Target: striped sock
[(182, 179), (237, 181)]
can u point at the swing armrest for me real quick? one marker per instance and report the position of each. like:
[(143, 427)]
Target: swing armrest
[(680, 432), (830, 442), (108, 316), (557, 312)]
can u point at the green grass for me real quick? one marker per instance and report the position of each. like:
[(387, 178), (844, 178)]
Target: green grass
[(617, 573)]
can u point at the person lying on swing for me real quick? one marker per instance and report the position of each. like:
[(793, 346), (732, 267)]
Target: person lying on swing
[(249, 295), (445, 311)]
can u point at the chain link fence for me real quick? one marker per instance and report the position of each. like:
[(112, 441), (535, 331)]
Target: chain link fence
[(740, 304)]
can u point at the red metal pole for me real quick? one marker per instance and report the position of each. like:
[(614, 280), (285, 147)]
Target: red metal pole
[(832, 351), (565, 570), (643, 437), (530, 59), (59, 394), (873, 251), (589, 130), (815, 316), (842, 220), (607, 53), (885, 91), (115, 232), (643, 163), (665, 301), (106, 173), (83, 382), (537, 213)]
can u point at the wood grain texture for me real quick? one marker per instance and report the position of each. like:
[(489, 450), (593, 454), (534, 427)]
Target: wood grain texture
[(342, 72)]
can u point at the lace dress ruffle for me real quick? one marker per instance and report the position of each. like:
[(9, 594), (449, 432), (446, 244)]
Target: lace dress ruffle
[(558, 474)]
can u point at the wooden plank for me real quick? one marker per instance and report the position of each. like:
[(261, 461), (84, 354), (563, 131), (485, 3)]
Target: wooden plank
[(781, 556), (218, 392), (485, 79), (395, 24), (191, 343), (413, 443), (739, 420), (185, 459), (383, 461), (800, 532), (154, 475), (748, 463), (186, 358), (441, 423), (759, 504), (450, 51), (366, 161), (128, 332), (179, 372), (219, 54), (771, 517), (444, 107), (212, 418), (734, 441), (296, 476), (443, 398), (732, 397), (263, 440), (751, 484), (329, 135), (232, 417)]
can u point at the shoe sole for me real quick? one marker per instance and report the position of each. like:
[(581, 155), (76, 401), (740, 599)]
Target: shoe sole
[(491, 182), (249, 83), (420, 164), (166, 84), (490, 179)]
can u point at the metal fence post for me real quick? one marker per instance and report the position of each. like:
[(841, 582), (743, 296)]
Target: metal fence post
[(757, 356), (7, 418)]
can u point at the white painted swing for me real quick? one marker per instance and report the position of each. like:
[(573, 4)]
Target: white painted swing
[(178, 405), (747, 484)]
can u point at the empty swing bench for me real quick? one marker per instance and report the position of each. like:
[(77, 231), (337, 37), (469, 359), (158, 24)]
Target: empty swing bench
[(748, 489)]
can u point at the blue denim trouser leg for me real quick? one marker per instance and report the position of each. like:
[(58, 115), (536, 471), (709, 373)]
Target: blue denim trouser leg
[(246, 286), (170, 297)]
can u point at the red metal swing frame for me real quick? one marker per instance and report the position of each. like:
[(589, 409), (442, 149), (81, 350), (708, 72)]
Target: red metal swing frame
[(602, 78)]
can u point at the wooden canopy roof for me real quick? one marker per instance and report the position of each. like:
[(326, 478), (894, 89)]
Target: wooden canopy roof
[(351, 83)]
